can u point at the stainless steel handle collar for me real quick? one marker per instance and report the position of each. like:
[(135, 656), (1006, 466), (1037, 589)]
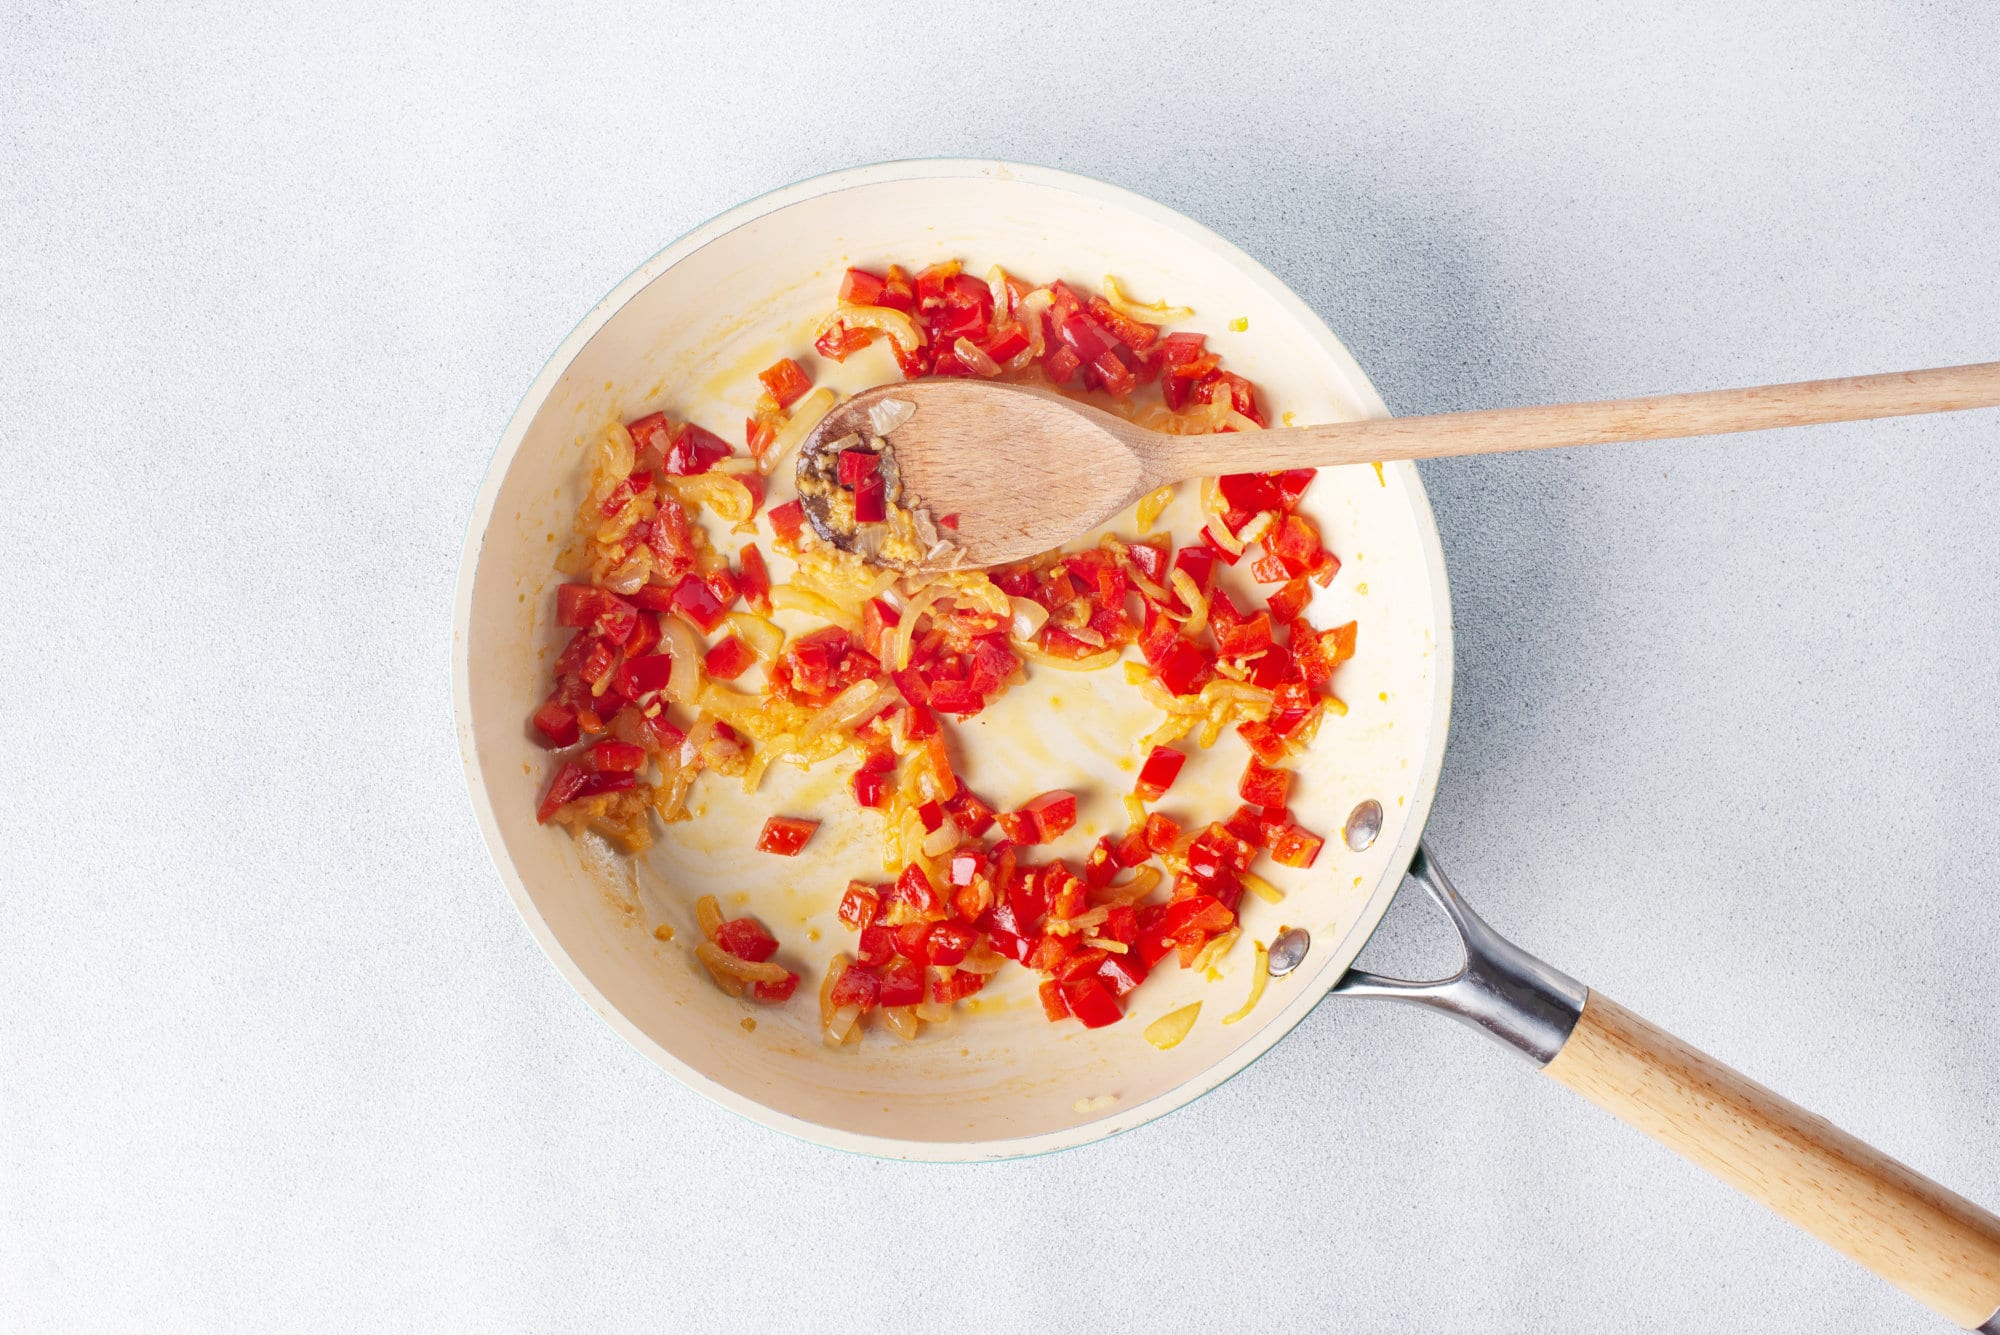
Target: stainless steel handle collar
[(1501, 990)]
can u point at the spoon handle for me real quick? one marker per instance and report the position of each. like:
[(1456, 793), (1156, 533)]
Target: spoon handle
[(1711, 413)]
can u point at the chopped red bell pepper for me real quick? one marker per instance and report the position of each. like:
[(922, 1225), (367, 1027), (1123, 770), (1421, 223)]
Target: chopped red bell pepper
[(902, 984), (642, 678), (651, 435), (871, 787), (870, 507), (1132, 848), (1122, 973), (1092, 1003), (697, 603), (746, 939), (598, 610), (754, 579), (857, 464), (1053, 1004), (843, 341), (1264, 786), (858, 985), (1183, 669), (1250, 491), (858, 287), (785, 835), (950, 942), (914, 890), (609, 757), (1162, 833), (695, 450), (728, 660), (557, 725), (1294, 846), (786, 380), (1052, 814), (573, 782), (781, 991), (1289, 603), (859, 906), (953, 985), (787, 520), (875, 946), (1157, 775)]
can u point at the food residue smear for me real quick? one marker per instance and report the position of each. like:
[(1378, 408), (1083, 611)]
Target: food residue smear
[(676, 674)]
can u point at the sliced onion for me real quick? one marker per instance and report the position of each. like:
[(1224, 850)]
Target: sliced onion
[(841, 1024), (975, 358), (708, 913), (983, 958), (724, 494), (805, 600), (1196, 600), (1260, 887), (996, 285), (1029, 313), (805, 416), (888, 320), (631, 574), (859, 701), (885, 415), (750, 971), (906, 629), (684, 682), (902, 1021), (1260, 974), (1029, 617), (1257, 526), (942, 840), (763, 636), (1218, 533), (1216, 949), (1088, 634), (936, 1012), (1150, 505), (1172, 1027), (834, 968), (1154, 312)]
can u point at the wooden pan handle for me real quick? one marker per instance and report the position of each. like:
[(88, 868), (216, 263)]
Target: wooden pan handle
[(1936, 1246)]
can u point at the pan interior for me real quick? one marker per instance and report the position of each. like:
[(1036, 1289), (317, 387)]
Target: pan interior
[(687, 334)]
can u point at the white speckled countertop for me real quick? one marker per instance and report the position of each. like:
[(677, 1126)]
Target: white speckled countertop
[(274, 1049)]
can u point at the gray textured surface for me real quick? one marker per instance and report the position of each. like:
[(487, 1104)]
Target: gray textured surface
[(274, 1050)]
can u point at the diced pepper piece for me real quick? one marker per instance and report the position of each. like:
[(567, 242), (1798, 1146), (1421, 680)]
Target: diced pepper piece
[(1250, 491), (1183, 669), (781, 991), (1289, 603), (1091, 1002), (859, 287), (609, 757), (746, 939), (785, 835), (914, 890), (875, 946), (1053, 813), (857, 464), (871, 787), (1157, 775), (728, 660), (1161, 832), (753, 578), (573, 782), (954, 985), (600, 611), (858, 985), (788, 520), (1264, 786), (557, 724), (1053, 1004), (787, 381), (1294, 846), (913, 941), (695, 450), (950, 942), (1122, 973), (642, 678), (697, 603), (870, 507), (859, 906), (902, 984)]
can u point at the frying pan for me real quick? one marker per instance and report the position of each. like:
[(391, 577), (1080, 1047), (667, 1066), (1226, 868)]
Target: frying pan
[(687, 332)]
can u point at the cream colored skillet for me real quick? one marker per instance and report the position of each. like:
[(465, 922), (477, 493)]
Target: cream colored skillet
[(1007, 1084)]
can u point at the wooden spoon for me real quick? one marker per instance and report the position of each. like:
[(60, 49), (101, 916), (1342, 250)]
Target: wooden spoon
[(1025, 470)]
